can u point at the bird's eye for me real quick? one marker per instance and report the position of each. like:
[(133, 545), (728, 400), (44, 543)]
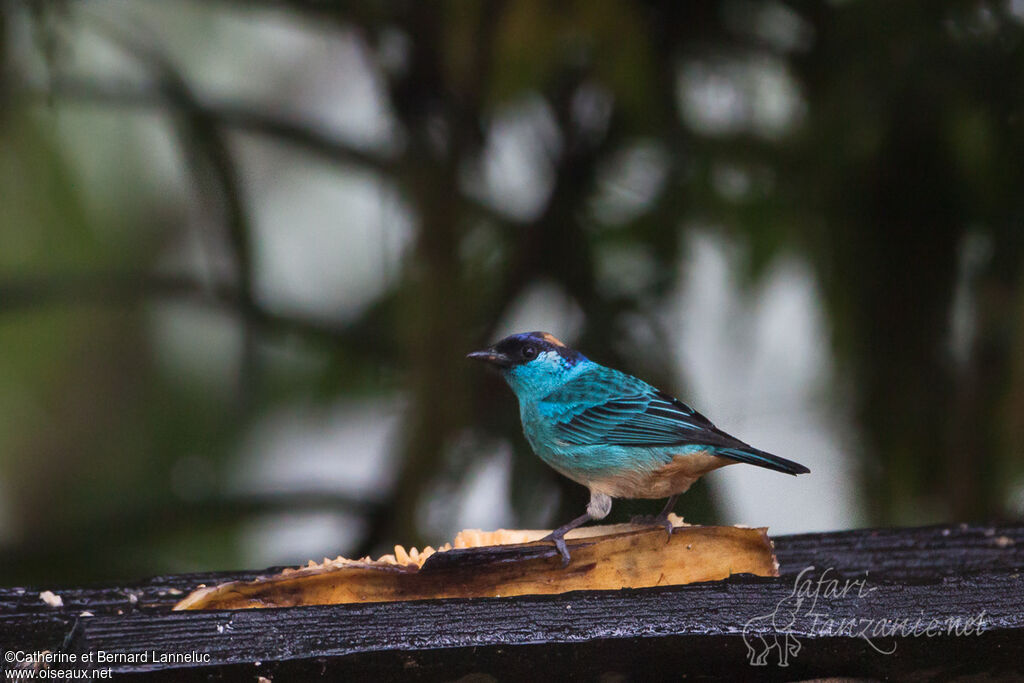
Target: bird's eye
[(529, 352)]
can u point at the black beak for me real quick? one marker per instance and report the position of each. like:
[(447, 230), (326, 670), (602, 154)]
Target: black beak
[(493, 357)]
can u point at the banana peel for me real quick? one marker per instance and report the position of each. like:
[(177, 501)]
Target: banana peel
[(510, 562)]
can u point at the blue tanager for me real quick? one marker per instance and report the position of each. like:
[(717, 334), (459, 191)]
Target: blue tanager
[(615, 434)]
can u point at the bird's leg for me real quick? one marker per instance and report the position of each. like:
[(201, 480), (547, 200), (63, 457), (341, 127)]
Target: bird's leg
[(598, 508), (661, 518), (558, 536)]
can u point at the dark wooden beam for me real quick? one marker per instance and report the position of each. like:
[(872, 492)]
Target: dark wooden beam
[(918, 581)]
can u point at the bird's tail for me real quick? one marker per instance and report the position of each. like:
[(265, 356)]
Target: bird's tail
[(753, 456)]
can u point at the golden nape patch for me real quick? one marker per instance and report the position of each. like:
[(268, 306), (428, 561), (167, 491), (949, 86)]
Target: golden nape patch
[(511, 562), (552, 339)]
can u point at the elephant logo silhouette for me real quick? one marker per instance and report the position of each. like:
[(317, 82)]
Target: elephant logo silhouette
[(774, 632)]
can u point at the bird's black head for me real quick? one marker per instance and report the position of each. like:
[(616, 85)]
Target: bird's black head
[(520, 349)]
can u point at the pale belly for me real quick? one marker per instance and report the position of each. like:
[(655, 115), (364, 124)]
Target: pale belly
[(614, 479), (667, 480)]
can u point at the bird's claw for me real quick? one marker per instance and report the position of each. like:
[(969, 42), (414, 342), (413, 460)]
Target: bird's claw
[(560, 546), (667, 523), (651, 520)]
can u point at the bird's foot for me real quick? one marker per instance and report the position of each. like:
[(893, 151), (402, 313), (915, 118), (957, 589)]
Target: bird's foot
[(559, 541), (654, 520)]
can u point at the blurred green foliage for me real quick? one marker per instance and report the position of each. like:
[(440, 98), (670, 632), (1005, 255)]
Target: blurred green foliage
[(880, 141)]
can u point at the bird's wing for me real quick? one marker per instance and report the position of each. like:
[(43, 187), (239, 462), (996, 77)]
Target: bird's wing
[(607, 407)]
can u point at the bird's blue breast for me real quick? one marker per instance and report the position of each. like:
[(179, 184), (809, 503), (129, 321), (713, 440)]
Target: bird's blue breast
[(585, 424), (584, 463)]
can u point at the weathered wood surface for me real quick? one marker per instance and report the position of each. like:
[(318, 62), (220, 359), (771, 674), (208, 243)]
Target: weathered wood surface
[(705, 631)]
